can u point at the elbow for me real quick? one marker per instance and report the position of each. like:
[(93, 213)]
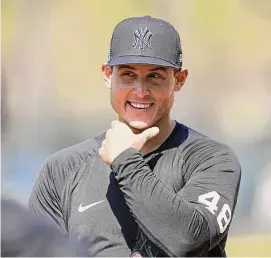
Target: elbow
[(194, 237)]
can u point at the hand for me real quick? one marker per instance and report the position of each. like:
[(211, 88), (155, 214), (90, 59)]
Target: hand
[(120, 138)]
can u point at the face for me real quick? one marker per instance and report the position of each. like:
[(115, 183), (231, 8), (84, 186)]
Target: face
[(143, 95)]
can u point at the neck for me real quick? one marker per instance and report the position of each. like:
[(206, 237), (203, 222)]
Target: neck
[(165, 129)]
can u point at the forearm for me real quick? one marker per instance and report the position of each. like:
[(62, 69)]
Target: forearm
[(168, 220)]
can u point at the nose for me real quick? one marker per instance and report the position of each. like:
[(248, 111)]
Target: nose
[(141, 89)]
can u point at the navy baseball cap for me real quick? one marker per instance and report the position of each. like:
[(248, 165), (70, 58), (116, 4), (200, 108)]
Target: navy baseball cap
[(145, 40)]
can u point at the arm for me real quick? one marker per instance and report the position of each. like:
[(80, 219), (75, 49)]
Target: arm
[(50, 196), (45, 199), (195, 218)]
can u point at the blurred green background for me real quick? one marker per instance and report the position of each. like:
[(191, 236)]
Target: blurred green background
[(53, 94)]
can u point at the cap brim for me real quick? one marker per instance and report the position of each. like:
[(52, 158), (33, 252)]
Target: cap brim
[(122, 60)]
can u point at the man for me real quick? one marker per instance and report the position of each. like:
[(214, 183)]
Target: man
[(149, 186)]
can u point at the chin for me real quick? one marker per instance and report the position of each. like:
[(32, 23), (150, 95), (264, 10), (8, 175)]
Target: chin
[(139, 125)]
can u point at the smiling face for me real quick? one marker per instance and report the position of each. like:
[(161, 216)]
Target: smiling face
[(143, 95)]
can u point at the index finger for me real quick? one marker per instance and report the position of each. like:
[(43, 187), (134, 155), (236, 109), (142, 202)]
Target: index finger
[(117, 123)]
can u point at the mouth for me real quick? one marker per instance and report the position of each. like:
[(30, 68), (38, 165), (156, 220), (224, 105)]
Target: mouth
[(140, 106)]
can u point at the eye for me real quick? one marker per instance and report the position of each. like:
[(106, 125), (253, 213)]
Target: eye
[(156, 78), (127, 75), (155, 75)]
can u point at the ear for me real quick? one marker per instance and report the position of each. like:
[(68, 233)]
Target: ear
[(107, 71), (181, 77)]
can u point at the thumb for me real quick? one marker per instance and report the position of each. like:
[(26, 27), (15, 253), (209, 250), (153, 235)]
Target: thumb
[(149, 133)]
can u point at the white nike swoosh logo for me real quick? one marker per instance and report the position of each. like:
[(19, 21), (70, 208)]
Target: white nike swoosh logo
[(84, 208)]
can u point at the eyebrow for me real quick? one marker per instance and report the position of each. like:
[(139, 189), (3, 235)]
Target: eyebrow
[(162, 68)]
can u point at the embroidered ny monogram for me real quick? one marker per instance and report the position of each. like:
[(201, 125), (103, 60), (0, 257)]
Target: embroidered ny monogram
[(142, 37)]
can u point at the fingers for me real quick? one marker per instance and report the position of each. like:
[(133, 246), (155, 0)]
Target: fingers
[(108, 133), (103, 152), (102, 148), (103, 143), (115, 123), (149, 133)]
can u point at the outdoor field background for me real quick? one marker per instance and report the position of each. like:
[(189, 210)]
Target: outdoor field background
[(52, 92)]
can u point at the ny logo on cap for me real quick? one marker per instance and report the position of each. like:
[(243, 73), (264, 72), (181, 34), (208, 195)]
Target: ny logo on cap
[(142, 37)]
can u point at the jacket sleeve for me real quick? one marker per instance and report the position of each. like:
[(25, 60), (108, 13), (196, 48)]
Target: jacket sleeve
[(45, 198), (196, 218)]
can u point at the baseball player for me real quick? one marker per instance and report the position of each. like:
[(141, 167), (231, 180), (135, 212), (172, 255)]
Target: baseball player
[(149, 185)]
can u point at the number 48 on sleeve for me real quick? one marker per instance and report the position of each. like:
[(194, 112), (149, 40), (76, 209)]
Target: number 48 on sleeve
[(211, 200)]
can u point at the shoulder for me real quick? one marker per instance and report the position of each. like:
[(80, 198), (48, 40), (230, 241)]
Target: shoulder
[(73, 156), (200, 148), (64, 161)]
